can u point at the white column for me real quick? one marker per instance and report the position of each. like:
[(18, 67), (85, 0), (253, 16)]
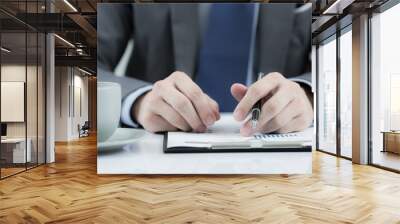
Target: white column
[(50, 99), (50, 92)]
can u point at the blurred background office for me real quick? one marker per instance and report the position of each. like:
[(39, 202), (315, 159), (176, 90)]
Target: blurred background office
[(357, 61), (48, 80)]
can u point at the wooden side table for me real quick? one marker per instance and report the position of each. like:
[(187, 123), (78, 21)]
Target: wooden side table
[(391, 141)]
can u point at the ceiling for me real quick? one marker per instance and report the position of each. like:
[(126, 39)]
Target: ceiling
[(19, 54), (73, 21)]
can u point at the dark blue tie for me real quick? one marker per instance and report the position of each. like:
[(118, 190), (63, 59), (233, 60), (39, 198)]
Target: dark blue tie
[(225, 50)]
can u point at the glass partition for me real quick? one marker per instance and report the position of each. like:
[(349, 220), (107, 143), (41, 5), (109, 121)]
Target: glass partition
[(32, 97), (327, 95), (22, 77), (15, 150), (346, 93), (35, 88)]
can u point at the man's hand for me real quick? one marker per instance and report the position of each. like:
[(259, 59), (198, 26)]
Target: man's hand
[(175, 103), (286, 107)]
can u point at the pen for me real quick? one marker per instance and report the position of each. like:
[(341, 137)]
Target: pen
[(256, 110)]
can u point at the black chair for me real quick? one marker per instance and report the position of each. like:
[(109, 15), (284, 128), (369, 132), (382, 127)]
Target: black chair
[(84, 130)]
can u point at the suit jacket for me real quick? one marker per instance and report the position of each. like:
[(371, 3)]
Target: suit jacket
[(166, 39)]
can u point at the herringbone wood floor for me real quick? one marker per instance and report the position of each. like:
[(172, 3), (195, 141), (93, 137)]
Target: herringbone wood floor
[(70, 191)]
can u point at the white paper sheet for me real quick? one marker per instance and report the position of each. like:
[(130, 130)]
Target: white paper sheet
[(225, 133)]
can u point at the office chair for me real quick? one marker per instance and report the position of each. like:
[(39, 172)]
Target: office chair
[(84, 130)]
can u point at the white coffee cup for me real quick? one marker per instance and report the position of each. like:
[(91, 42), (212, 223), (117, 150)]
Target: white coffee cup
[(108, 109)]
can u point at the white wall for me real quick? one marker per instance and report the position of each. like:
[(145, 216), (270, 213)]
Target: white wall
[(17, 73), (14, 73), (34, 125), (79, 117), (70, 83), (62, 81)]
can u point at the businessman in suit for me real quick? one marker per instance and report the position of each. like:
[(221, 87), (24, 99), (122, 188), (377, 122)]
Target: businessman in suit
[(192, 61)]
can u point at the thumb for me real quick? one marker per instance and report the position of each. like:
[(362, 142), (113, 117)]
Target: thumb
[(238, 91)]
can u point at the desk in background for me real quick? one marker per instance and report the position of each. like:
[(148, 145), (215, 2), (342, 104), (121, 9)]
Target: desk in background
[(13, 150), (391, 141)]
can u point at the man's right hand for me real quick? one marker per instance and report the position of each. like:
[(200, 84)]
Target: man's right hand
[(175, 103)]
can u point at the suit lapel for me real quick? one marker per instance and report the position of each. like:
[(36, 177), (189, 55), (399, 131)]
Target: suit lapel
[(275, 27), (185, 36)]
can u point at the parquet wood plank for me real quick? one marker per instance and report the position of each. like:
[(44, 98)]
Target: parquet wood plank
[(70, 191)]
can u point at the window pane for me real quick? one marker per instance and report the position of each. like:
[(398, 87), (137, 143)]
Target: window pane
[(346, 94), (385, 114), (23, 87), (327, 97)]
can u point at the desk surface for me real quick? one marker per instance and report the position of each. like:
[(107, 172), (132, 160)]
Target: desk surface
[(13, 140), (391, 132), (146, 157)]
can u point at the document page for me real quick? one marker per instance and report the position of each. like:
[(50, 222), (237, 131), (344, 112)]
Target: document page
[(225, 133)]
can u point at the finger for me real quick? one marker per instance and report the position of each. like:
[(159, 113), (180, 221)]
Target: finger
[(158, 124), (281, 119), (275, 105), (182, 105), (171, 116), (238, 91), (255, 92), (299, 123), (197, 98), (247, 129), (214, 107)]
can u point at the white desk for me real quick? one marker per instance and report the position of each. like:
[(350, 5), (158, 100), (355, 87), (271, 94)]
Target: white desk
[(19, 155), (146, 157)]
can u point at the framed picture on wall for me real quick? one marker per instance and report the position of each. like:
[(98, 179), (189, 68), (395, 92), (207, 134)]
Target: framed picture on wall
[(12, 101)]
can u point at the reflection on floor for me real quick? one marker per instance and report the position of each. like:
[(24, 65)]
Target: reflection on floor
[(387, 159), (346, 152), (11, 169), (70, 191)]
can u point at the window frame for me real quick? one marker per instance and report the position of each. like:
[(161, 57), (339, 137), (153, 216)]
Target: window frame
[(346, 27), (378, 10), (26, 30)]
